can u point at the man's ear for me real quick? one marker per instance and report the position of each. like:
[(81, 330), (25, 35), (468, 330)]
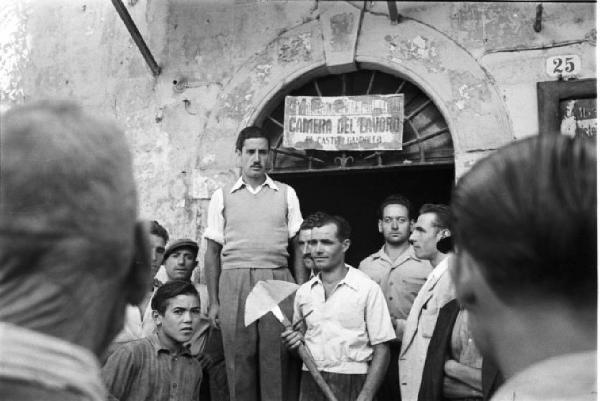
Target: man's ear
[(137, 283), (380, 225), (238, 158), (443, 233), (462, 271), (157, 318), (346, 244), (195, 264)]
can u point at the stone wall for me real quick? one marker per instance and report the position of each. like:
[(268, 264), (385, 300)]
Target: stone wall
[(224, 61)]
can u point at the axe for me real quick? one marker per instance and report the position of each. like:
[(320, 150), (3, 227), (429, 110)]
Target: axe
[(264, 298)]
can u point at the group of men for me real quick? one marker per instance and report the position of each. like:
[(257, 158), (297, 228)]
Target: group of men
[(491, 298)]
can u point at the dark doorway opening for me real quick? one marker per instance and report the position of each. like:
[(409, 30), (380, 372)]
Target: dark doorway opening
[(356, 195)]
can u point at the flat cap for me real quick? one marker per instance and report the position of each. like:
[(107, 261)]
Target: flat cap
[(181, 243)]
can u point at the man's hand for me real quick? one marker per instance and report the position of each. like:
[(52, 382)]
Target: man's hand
[(206, 360), (461, 381), (292, 338), (213, 314), (457, 389), (399, 325)]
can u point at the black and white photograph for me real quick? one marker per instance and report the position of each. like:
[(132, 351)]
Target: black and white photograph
[(298, 200)]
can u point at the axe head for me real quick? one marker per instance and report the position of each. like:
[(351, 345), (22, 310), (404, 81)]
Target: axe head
[(265, 296)]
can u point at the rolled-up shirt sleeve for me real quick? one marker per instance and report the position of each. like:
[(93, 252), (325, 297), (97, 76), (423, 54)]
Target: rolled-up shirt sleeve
[(379, 324), (215, 226), (294, 213)]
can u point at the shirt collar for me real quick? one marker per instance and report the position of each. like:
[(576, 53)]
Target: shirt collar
[(409, 253), (239, 184), (440, 269), (158, 347), (352, 279)]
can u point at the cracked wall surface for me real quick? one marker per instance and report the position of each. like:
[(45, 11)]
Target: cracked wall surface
[(223, 61)]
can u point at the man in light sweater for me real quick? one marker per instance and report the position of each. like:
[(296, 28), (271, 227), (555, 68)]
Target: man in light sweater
[(431, 227), (250, 225)]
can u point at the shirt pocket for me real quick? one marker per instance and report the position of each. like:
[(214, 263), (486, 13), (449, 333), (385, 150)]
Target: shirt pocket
[(412, 285), (351, 315)]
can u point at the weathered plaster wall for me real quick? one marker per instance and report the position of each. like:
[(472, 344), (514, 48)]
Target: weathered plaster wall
[(223, 61)]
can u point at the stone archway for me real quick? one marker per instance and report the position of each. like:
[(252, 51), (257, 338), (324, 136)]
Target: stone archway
[(446, 72)]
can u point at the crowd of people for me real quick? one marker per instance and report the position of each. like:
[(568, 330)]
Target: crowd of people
[(493, 297)]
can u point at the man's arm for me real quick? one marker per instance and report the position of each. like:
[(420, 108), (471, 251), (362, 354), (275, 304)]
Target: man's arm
[(463, 381), (300, 271), (118, 372), (376, 372), (212, 266)]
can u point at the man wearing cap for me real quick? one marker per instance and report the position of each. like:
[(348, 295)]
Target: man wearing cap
[(250, 225), (179, 263)]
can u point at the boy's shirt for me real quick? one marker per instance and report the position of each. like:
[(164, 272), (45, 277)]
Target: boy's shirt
[(144, 370)]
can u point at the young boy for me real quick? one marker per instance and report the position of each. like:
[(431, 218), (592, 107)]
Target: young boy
[(160, 367)]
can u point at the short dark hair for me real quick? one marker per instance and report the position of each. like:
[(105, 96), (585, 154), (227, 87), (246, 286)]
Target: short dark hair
[(396, 199), (170, 290), (343, 227), (443, 215), (527, 215), (248, 133), (158, 230), (309, 222)]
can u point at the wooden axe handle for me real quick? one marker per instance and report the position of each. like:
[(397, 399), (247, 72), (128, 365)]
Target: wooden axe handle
[(311, 365)]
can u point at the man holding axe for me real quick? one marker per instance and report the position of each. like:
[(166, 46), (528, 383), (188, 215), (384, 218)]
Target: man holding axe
[(346, 324)]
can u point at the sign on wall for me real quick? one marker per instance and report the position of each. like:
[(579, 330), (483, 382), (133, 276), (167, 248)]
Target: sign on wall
[(578, 117), (369, 122), (563, 66)]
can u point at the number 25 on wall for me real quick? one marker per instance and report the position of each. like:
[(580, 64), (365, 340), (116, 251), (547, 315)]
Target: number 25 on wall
[(566, 66)]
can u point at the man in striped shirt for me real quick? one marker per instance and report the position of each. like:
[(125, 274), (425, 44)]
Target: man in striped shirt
[(160, 367)]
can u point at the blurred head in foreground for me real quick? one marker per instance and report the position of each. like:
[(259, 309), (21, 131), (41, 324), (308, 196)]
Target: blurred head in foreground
[(71, 252), (524, 224)]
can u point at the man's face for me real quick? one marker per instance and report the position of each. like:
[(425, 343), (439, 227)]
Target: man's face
[(482, 304), (425, 236), (180, 264), (304, 248), (181, 318), (326, 249), (157, 249), (395, 224), (254, 158)]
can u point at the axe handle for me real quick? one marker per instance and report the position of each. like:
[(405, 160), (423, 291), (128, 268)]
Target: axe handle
[(311, 365)]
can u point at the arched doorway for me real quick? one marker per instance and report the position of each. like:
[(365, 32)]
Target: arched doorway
[(352, 184)]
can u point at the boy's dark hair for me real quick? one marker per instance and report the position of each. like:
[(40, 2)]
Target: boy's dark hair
[(158, 230), (248, 133), (396, 199), (170, 290), (343, 227)]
